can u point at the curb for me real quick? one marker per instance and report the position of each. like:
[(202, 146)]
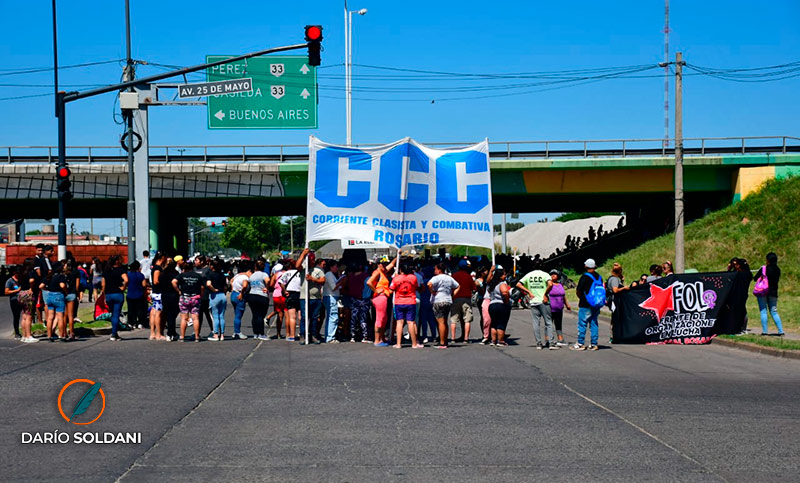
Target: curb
[(759, 349), (745, 346)]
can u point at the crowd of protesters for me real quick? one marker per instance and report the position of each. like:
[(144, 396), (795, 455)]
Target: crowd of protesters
[(384, 302)]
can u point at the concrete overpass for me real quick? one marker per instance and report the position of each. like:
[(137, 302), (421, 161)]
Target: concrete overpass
[(634, 176)]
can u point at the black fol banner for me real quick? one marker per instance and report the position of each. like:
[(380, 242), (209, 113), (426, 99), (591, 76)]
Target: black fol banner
[(689, 308)]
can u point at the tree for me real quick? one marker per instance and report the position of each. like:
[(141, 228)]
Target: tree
[(252, 234)]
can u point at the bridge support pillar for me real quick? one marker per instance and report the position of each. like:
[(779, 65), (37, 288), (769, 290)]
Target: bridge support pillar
[(141, 172)]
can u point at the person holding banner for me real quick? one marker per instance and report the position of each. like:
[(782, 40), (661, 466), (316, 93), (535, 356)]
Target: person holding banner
[(442, 287), (291, 281), (379, 284), (405, 305)]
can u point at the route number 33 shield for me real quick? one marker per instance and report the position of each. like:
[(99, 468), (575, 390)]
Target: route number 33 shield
[(277, 91), (276, 69)]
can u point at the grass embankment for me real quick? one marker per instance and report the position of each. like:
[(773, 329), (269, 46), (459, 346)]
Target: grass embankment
[(774, 342), (765, 221), (86, 314)]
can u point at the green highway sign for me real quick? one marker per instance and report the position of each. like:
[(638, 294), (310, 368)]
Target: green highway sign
[(283, 95)]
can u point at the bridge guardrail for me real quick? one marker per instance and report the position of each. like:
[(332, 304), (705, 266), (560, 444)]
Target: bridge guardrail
[(498, 150)]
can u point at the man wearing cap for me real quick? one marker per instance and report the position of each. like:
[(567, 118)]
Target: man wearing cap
[(461, 310), (587, 315), (535, 285)]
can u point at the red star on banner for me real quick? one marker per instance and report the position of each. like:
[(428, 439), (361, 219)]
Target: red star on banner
[(660, 301)]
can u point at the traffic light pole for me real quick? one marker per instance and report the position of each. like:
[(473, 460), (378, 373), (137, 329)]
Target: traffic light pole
[(62, 98), (62, 163)]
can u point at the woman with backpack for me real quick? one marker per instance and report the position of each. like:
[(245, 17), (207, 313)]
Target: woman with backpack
[(766, 292), (592, 296)]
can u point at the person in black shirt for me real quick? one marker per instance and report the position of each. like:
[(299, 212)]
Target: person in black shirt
[(55, 288), (156, 322), (189, 285), (770, 301), (217, 286), (115, 281), (201, 266), (169, 297), (72, 297)]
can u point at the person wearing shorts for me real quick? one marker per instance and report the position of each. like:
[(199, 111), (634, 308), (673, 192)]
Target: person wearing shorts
[(54, 292), (290, 282), (499, 306), (442, 287), (278, 299), (405, 304), (461, 310), (189, 285), (379, 284), (156, 320), (26, 280)]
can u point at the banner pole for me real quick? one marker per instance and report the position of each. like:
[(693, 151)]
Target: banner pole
[(305, 269)]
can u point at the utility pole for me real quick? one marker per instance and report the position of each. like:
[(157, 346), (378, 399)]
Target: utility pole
[(666, 73), (129, 76), (680, 257)]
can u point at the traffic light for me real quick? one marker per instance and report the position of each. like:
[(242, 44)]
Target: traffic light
[(213, 224), (224, 222), (314, 39), (63, 183)]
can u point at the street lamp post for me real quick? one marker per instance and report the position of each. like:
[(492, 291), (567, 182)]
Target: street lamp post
[(348, 65)]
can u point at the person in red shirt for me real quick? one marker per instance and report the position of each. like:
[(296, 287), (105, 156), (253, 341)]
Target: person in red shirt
[(405, 304), (461, 310)]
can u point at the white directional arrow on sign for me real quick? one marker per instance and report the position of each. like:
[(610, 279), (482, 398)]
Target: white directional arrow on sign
[(305, 94), (220, 115), (304, 69)]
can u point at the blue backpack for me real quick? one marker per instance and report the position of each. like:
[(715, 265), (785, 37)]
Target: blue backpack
[(596, 296)]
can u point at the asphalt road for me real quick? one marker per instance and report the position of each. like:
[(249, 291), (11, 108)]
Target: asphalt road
[(275, 411)]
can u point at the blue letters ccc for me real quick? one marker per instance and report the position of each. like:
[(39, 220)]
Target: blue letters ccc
[(390, 179)]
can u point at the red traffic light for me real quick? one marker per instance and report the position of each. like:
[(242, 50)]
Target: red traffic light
[(213, 223), (63, 172), (313, 33)]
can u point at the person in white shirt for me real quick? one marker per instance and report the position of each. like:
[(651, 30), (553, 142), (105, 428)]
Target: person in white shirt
[(239, 287), (146, 262), (330, 297), (291, 282), (442, 287)]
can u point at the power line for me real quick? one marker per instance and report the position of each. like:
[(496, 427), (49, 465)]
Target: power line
[(33, 70), (24, 97)]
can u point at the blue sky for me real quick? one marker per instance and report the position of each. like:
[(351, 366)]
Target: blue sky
[(451, 36)]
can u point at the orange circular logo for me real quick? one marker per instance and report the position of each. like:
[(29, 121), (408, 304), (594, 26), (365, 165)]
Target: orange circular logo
[(84, 402)]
